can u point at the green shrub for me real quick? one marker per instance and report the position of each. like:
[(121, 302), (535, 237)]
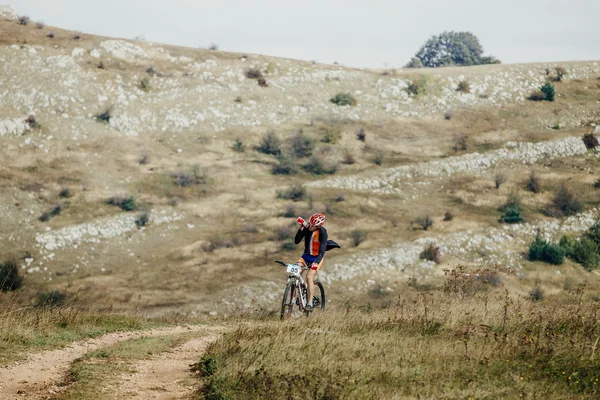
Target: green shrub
[(568, 243), (536, 294), (53, 212), (597, 184), (361, 134), (238, 146), (451, 48), (125, 203), (585, 252), (343, 99), (418, 86), (331, 135), (542, 250), (142, 219), (206, 367), (378, 159), (590, 140), (549, 91), (358, 236), (425, 222), (448, 216), (294, 193), (533, 182), (594, 232), (301, 146), (10, 278), (270, 144), (511, 214), (145, 84)]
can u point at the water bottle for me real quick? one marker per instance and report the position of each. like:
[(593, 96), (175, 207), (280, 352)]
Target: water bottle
[(302, 222)]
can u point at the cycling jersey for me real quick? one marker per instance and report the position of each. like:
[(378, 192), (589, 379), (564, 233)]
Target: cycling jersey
[(315, 243)]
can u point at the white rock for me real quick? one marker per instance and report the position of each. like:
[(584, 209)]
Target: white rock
[(77, 51), (6, 12), (123, 49), (95, 53)]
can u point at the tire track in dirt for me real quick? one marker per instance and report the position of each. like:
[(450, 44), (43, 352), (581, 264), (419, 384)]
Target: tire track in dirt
[(35, 377), (164, 377)]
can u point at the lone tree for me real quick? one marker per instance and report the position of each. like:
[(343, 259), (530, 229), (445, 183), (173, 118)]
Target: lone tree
[(451, 48)]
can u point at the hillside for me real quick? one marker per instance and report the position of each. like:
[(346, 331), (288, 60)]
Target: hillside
[(152, 186)]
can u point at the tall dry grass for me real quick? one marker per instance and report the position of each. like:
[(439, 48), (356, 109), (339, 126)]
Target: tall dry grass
[(458, 342)]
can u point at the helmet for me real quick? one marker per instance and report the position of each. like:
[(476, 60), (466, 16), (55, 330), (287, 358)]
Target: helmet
[(317, 220)]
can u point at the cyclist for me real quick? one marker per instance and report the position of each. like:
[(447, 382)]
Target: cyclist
[(315, 246)]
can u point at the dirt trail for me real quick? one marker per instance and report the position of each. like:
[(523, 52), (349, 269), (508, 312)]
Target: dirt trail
[(35, 377), (166, 376)]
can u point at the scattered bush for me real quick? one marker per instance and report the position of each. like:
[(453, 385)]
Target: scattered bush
[(270, 144), (448, 216), (40, 25), (53, 298), (189, 178), (142, 219), (536, 294), (533, 182), (499, 179), (418, 86), (542, 250), (463, 86), (290, 211), (511, 211), (361, 134), (213, 47), (24, 20), (285, 165), (431, 252), (32, 122), (460, 143), (425, 222), (301, 146), (253, 73), (331, 135), (145, 84), (448, 115), (206, 367), (294, 193), (358, 236), (10, 278), (144, 158), (262, 82), (343, 99), (597, 184), (238, 99), (451, 48), (76, 37), (378, 159), (565, 202), (537, 95), (348, 159), (340, 197), (238, 146), (125, 203), (50, 35), (283, 233), (317, 166), (590, 140), (53, 212), (560, 73), (104, 116), (65, 193)]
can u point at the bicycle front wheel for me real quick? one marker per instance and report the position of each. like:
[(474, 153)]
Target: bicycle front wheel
[(289, 297), (319, 296)]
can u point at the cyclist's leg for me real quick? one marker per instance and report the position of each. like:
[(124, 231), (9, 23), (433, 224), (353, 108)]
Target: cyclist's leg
[(310, 281)]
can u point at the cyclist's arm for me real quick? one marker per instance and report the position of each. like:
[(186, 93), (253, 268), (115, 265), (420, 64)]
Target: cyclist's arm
[(299, 235), (322, 246)]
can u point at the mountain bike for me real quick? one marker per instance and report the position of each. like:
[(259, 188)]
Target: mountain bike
[(295, 292)]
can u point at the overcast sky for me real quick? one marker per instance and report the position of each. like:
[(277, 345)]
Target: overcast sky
[(359, 33)]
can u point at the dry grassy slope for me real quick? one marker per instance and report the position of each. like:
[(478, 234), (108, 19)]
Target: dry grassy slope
[(189, 117)]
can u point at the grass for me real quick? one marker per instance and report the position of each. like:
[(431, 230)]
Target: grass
[(25, 329), (433, 345)]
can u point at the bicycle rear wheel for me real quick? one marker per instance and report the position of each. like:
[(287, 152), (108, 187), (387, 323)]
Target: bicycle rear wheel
[(319, 299), (288, 302)]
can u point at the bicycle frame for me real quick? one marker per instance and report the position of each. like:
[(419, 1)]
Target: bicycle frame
[(299, 281)]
